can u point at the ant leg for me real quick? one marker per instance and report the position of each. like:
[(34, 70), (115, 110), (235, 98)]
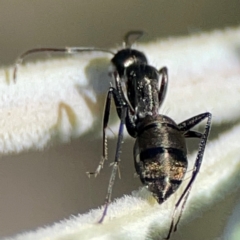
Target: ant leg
[(163, 87), (183, 205), (185, 126), (192, 134), (128, 42), (67, 50), (111, 92), (115, 163), (122, 100)]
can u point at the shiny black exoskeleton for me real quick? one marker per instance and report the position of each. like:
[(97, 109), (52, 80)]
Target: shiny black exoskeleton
[(160, 153)]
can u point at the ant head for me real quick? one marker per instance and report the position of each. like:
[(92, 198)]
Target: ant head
[(126, 57)]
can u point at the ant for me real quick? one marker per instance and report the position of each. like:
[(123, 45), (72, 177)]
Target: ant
[(160, 152)]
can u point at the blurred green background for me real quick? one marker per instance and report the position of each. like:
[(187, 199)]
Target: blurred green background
[(38, 188)]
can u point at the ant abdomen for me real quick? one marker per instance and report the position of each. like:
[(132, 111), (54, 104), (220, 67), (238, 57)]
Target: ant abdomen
[(160, 156)]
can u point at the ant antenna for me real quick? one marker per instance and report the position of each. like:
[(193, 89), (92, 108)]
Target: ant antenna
[(131, 37), (67, 50)]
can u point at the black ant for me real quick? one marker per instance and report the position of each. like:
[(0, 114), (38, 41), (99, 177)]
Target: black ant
[(160, 153)]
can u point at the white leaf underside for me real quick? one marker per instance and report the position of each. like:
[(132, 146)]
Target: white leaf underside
[(53, 101)]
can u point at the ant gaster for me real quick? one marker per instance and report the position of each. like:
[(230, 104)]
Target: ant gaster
[(160, 154)]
